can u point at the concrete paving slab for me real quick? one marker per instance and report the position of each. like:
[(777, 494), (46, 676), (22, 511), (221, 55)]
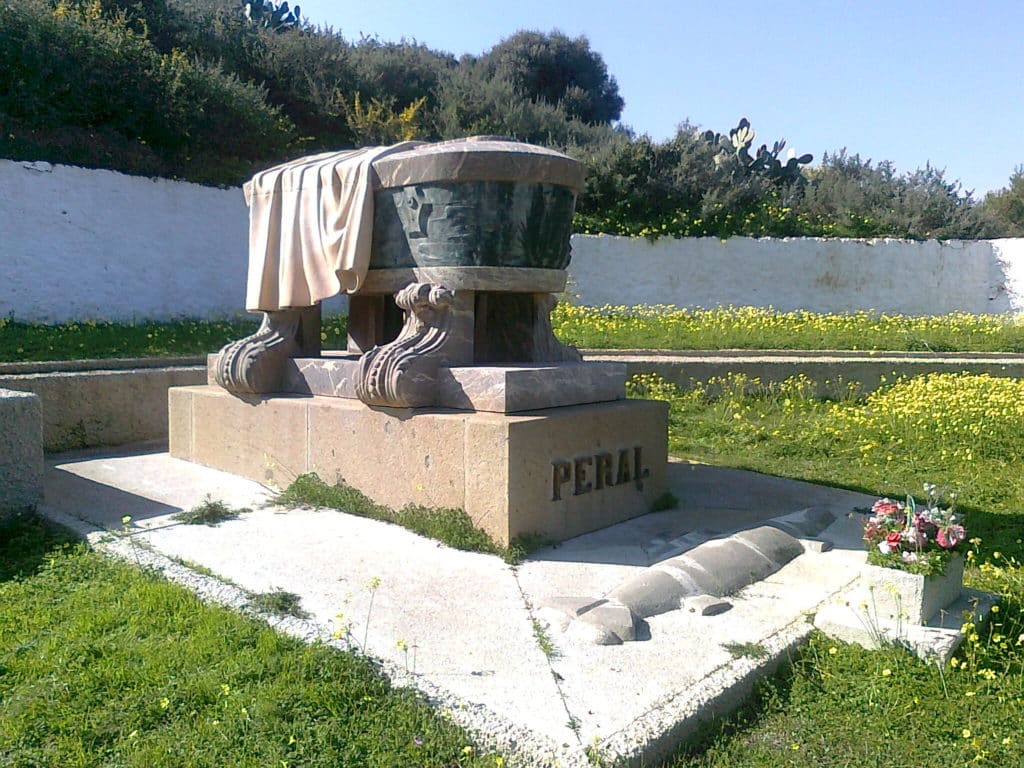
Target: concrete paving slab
[(463, 627)]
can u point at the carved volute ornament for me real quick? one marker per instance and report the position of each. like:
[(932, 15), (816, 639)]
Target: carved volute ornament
[(403, 374), (254, 365)]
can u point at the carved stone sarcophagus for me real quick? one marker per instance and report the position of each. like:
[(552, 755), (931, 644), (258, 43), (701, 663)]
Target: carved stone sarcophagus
[(470, 240), (452, 390)]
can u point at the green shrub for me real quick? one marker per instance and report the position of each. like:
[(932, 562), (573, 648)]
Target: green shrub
[(556, 70), (698, 183), (850, 197), (1004, 210), (75, 72)]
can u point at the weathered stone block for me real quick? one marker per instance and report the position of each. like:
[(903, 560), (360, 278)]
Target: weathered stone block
[(514, 388), (498, 388), (387, 454), (556, 473), (21, 451), (260, 438), (898, 596), (103, 407)]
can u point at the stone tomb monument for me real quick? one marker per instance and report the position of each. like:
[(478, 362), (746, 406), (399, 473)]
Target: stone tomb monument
[(453, 390)]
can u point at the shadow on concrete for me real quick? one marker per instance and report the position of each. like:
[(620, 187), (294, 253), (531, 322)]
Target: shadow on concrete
[(97, 503)]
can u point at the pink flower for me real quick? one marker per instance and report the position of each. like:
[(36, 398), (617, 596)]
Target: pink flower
[(949, 537), (893, 540)]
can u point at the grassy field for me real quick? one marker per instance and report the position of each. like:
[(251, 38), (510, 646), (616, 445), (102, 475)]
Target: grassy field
[(647, 327), (104, 665), (584, 327), (22, 342), (838, 705)]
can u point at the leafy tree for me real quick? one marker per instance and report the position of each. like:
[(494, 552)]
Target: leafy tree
[(88, 86), (1005, 208), (469, 104), (556, 69)]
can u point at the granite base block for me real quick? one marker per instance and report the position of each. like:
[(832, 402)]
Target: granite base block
[(512, 389), (850, 621), (898, 596), (555, 473), (495, 388)]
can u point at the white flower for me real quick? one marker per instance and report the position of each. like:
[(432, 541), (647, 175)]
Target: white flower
[(884, 548)]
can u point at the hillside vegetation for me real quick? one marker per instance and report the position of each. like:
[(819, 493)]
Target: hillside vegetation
[(211, 91)]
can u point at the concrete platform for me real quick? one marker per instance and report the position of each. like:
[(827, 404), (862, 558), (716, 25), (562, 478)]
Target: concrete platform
[(464, 628)]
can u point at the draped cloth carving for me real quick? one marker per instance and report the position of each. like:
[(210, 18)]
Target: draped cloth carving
[(310, 228)]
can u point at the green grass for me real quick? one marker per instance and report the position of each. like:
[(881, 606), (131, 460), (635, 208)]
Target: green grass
[(22, 342), (664, 327), (449, 526), (962, 432), (104, 665), (585, 327), (839, 705)]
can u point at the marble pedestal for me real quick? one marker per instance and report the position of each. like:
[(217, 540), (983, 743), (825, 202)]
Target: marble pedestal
[(555, 472), (498, 388)]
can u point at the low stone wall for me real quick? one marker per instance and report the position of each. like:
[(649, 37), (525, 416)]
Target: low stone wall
[(84, 244), (111, 402), (21, 452), (821, 275), (86, 408)]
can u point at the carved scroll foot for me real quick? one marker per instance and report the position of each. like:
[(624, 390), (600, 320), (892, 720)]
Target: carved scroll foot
[(403, 373), (255, 364)]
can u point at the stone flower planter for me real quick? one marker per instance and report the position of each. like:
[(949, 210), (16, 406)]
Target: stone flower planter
[(898, 596)]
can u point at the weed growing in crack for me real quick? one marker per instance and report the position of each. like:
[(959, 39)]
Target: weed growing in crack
[(210, 512)]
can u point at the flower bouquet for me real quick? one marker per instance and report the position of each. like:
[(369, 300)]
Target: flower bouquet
[(913, 538), (915, 550)]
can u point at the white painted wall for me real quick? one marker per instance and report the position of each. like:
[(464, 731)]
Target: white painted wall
[(822, 275), (81, 244)]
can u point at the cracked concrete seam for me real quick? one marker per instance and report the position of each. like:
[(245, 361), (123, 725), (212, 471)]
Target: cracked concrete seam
[(555, 677), (520, 746)]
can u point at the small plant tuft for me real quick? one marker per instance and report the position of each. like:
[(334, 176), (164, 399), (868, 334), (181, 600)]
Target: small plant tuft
[(666, 501), (543, 640), (521, 546), (279, 603), (210, 512), (746, 650)]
